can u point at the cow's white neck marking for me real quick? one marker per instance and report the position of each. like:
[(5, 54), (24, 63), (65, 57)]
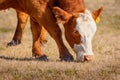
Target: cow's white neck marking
[(86, 26)]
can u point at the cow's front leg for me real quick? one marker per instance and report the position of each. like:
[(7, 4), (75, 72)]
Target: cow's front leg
[(53, 29), (21, 23), (55, 32), (36, 48)]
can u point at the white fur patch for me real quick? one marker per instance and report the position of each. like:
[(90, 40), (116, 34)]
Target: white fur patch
[(86, 26)]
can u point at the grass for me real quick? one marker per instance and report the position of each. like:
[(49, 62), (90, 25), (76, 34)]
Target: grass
[(4, 30), (16, 63), (1, 48)]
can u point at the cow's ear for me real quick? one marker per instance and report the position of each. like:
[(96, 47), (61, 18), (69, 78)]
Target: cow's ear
[(96, 13), (61, 15)]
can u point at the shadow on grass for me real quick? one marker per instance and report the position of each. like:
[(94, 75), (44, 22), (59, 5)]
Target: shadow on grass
[(18, 59), (31, 59), (26, 59)]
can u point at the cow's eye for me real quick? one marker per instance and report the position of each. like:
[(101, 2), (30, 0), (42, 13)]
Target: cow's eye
[(75, 32)]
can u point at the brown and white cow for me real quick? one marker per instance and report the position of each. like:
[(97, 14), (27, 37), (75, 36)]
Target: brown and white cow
[(79, 24)]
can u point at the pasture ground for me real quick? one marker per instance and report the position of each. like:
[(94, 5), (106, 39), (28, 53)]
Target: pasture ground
[(16, 62)]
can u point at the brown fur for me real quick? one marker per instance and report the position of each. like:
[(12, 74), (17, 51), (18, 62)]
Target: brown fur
[(72, 6), (40, 12)]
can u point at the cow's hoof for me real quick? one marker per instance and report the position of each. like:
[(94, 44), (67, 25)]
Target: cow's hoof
[(67, 59), (42, 58), (13, 43)]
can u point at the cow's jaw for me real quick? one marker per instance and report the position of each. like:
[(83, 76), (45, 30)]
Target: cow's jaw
[(86, 27)]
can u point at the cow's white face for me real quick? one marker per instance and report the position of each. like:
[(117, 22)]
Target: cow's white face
[(79, 30), (86, 27)]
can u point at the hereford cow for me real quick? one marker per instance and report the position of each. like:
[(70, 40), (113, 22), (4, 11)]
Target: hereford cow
[(79, 25)]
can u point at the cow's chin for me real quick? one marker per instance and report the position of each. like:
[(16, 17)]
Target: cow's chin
[(1, 1), (82, 54)]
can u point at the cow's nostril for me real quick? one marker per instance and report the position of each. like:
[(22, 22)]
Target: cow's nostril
[(88, 57)]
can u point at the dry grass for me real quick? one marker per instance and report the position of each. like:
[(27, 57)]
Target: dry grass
[(16, 62)]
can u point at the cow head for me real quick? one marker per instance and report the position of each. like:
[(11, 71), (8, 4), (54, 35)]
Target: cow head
[(79, 30)]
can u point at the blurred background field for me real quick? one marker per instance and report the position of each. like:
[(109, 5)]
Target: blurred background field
[(16, 63)]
